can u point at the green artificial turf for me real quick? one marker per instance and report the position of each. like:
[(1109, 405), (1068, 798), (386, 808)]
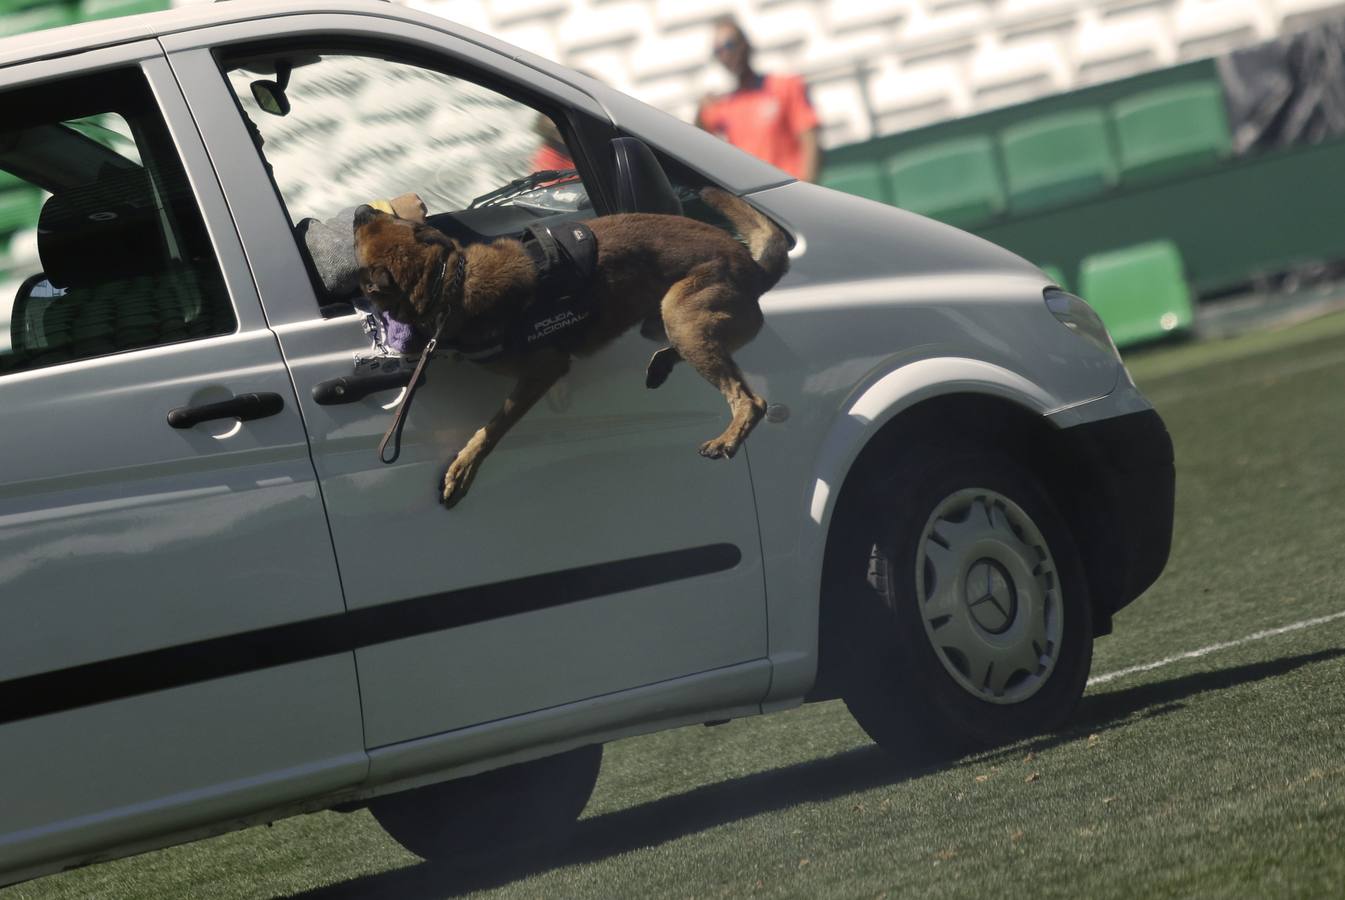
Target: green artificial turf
[(1221, 775)]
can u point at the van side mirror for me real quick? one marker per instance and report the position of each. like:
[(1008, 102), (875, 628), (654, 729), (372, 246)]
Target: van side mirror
[(641, 184)]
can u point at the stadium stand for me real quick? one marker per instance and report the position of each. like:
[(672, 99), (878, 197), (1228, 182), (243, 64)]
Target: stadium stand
[(1066, 118)]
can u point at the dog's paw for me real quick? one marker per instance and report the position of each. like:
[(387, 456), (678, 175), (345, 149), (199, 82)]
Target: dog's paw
[(456, 482), (718, 449)]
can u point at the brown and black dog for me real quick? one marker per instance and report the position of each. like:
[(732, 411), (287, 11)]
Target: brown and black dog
[(676, 277)]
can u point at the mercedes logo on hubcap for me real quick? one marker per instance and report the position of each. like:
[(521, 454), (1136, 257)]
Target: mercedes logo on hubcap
[(990, 596)]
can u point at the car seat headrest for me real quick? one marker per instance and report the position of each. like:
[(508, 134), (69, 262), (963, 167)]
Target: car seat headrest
[(107, 229)]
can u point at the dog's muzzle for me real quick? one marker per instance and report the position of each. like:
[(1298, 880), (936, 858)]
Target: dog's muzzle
[(365, 214)]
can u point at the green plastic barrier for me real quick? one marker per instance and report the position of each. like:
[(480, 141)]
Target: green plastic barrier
[(863, 179), (107, 9), (1267, 213), (25, 20), (1171, 130), (1056, 159), (955, 181), (11, 6), (1140, 292)]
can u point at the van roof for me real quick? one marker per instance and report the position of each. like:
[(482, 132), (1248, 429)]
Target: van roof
[(68, 39)]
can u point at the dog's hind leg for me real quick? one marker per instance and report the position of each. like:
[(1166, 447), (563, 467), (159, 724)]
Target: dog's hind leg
[(707, 320), (545, 368), (661, 366)]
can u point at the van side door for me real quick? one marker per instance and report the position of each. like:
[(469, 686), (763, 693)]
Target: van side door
[(171, 642), (597, 552)]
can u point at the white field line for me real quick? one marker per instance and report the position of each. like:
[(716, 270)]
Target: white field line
[(1203, 651)]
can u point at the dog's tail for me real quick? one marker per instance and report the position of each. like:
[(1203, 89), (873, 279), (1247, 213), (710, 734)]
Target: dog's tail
[(767, 243)]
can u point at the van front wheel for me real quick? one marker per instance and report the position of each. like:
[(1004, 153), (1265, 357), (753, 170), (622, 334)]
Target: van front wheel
[(979, 625)]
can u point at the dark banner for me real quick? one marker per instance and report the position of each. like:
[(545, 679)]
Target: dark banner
[(1287, 92)]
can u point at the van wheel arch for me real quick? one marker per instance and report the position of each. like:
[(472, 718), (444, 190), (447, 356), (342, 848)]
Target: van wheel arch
[(1075, 479)]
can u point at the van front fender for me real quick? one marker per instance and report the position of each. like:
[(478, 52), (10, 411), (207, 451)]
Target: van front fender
[(794, 579)]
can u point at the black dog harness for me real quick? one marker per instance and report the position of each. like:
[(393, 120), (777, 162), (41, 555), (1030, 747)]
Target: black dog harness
[(565, 256)]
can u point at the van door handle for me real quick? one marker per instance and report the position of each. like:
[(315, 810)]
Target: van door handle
[(244, 406), (350, 388)]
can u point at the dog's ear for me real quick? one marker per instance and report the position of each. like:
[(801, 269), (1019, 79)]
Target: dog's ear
[(428, 234), (375, 280)]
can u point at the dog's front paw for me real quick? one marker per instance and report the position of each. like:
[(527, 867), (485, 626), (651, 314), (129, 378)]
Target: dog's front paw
[(457, 480), (718, 449)]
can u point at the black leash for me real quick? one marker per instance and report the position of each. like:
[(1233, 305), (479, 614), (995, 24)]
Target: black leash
[(394, 432)]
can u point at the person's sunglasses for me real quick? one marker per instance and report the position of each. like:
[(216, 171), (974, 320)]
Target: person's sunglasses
[(727, 46)]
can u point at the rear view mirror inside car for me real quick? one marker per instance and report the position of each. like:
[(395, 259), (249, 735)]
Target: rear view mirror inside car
[(270, 95)]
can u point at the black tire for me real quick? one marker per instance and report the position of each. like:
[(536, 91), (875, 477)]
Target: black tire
[(483, 817), (910, 687)]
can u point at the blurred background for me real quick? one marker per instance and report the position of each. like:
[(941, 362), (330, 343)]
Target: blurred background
[(1156, 156)]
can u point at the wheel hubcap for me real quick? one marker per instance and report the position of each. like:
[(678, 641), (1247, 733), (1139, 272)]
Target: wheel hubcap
[(990, 596)]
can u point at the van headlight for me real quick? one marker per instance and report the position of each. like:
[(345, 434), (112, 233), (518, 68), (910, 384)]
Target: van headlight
[(1079, 317)]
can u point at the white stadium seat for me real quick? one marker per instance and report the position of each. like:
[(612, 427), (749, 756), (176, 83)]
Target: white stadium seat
[(1000, 75), (928, 27), (908, 97), (666, 93), (841, 106), (609, 65), (1295, 15), (534, 36), (1107, 48), (787, 26), (589, 28), (683, 52), (1014, 12), (850, 15), (509, 12), (844, 51), (673, 14), (1207, 27), (471, 13)]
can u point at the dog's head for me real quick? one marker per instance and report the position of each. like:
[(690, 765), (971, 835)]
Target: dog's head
[(400, 264)]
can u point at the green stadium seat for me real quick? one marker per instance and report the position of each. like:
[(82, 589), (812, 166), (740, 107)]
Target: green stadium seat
[(19, 208), (1170, 130), (1140, 292), (955, 181), (9, 6), (107, 9), (1056, 159), (9, 180), (860, 179), (35, 19)]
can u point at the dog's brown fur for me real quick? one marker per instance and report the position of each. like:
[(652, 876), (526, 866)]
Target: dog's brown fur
[(679, 278)]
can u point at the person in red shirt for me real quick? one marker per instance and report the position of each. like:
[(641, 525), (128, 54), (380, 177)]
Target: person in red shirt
[(769, 116), (552, 152)]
